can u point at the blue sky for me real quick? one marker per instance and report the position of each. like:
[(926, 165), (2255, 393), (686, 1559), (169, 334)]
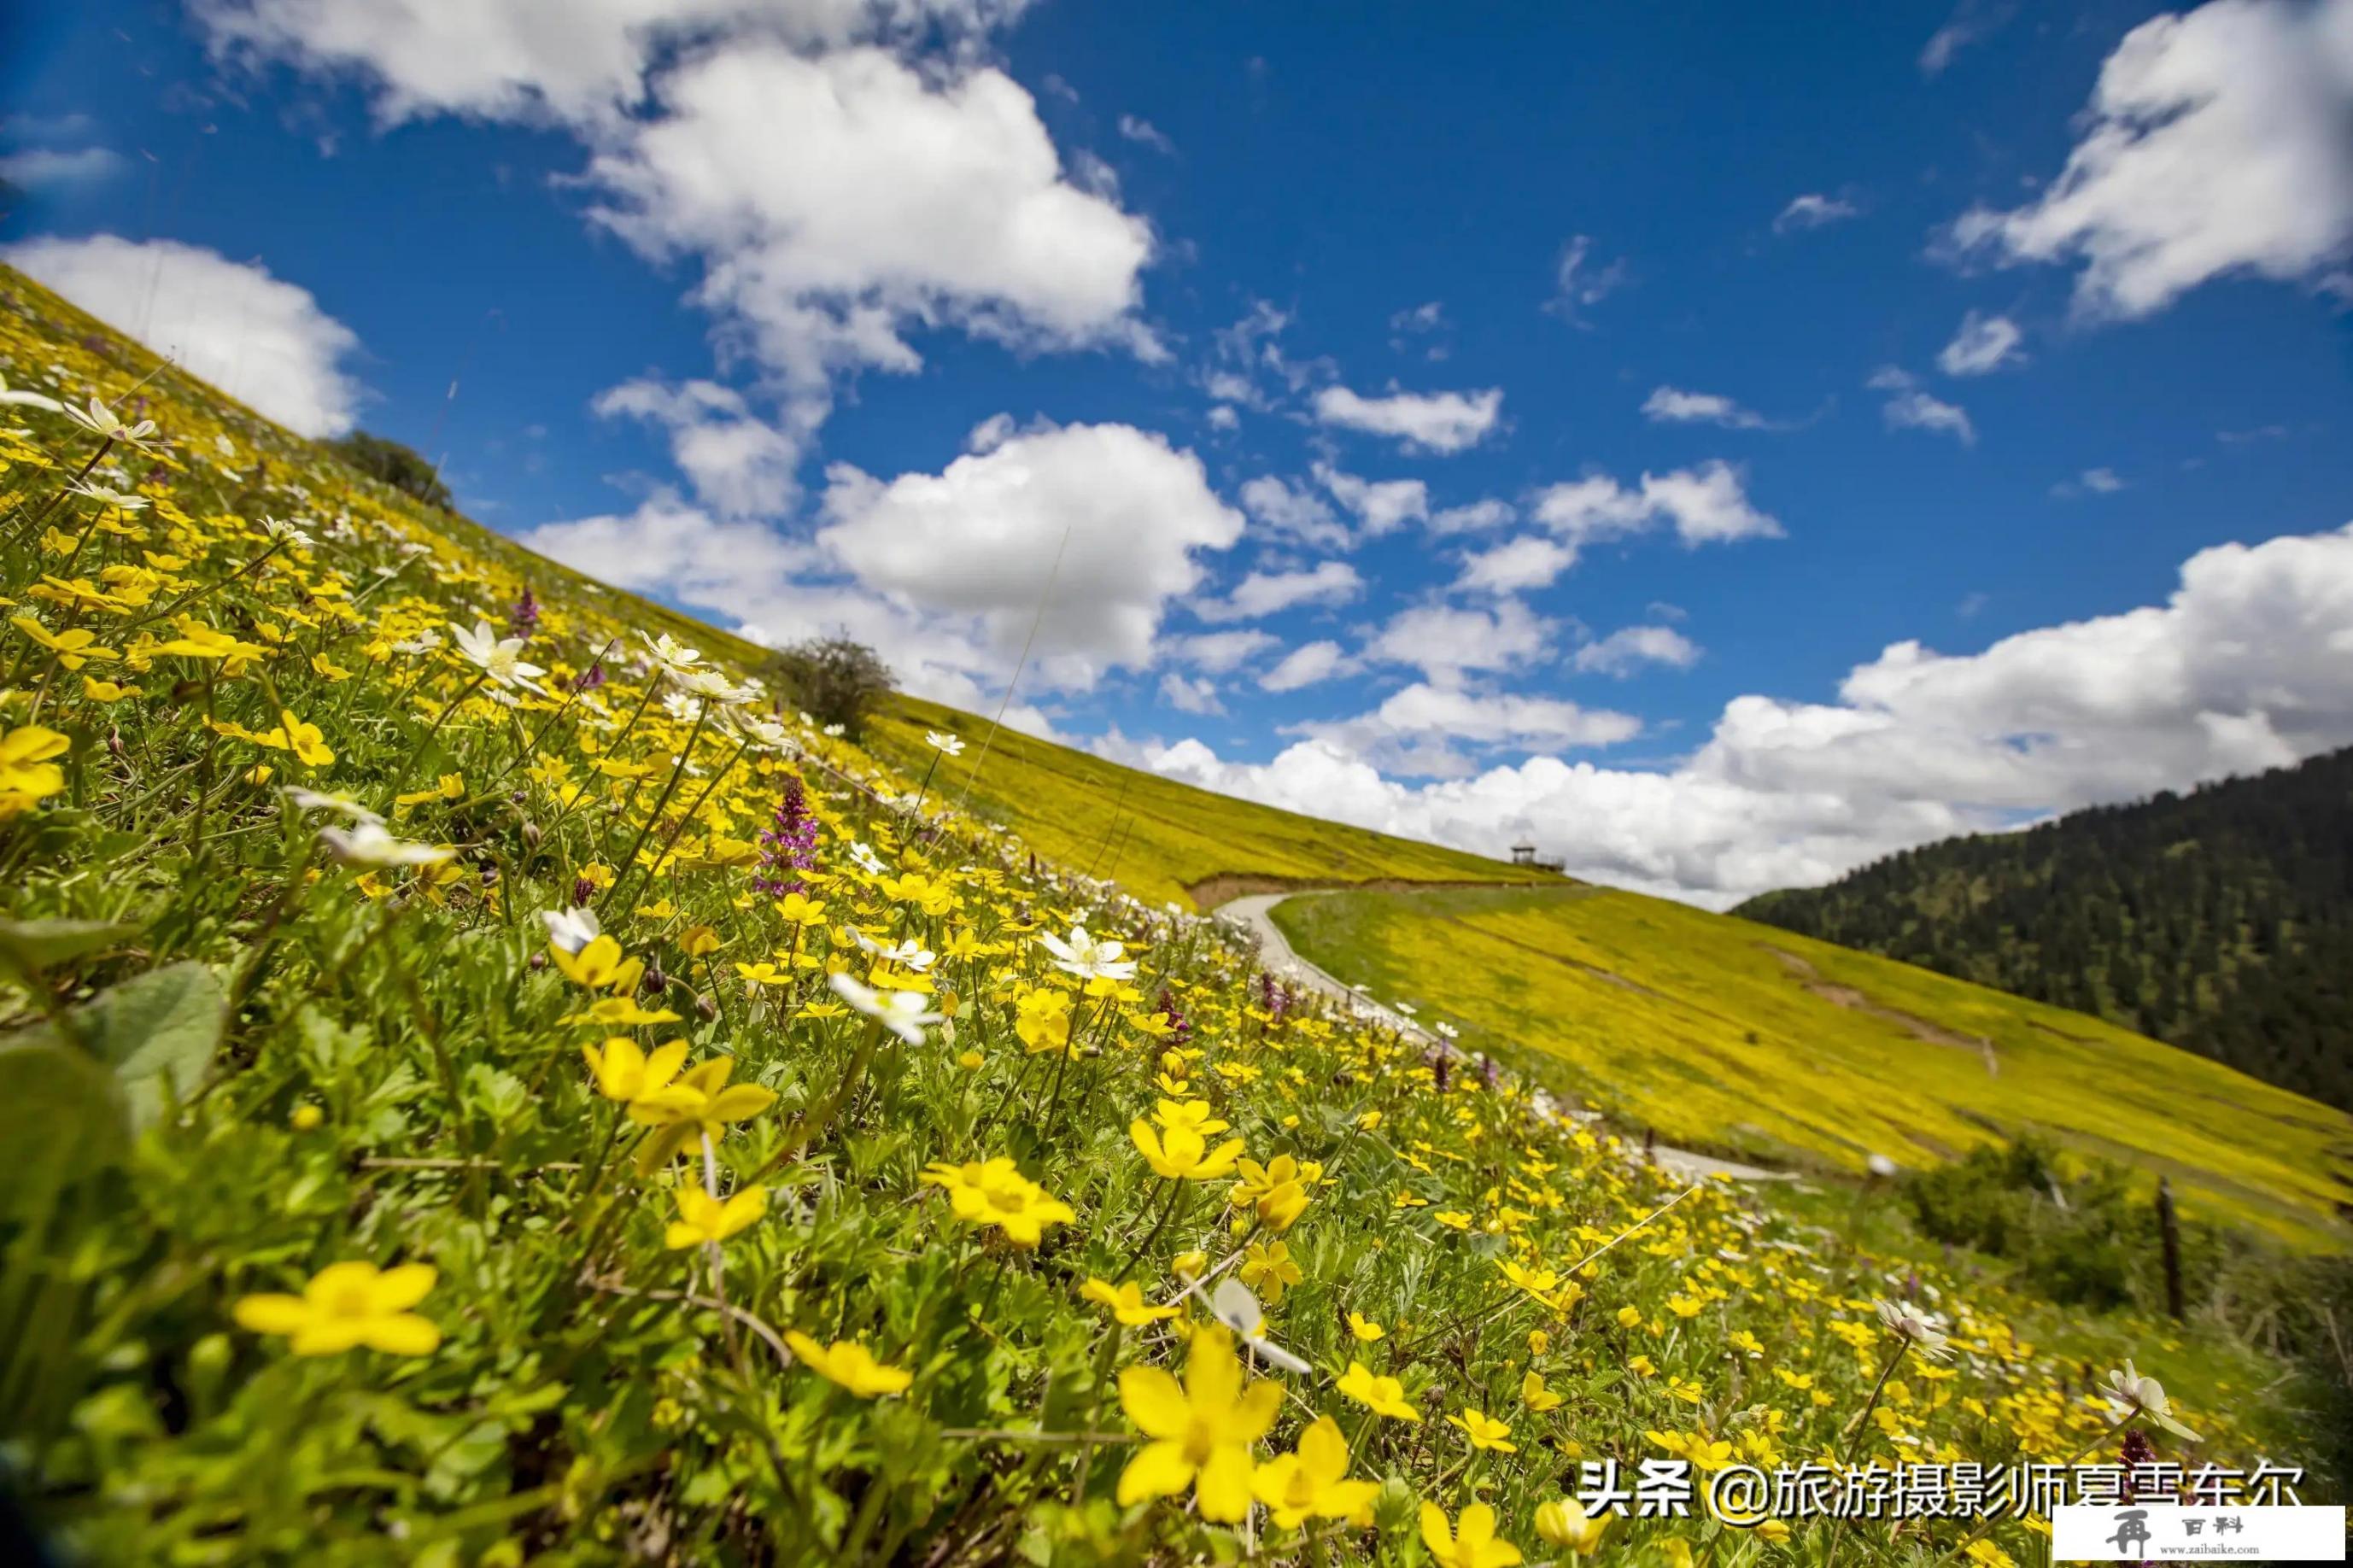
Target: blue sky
[(1594, 394)]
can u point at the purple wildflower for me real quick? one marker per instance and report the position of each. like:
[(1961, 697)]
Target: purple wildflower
[(1180, 1028), (590, 678), (523, 619), (789, 845)]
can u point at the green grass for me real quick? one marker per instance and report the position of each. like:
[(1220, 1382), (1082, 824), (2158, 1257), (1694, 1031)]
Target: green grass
[(1155, 837), (244, 1057), (1723, 1033)]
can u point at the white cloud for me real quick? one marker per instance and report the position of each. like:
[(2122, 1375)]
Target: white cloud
[(1262, 594), (261, 339), (1297, 514), (1422, 422), (1531, 561), (1382, 506), (834, 195), (2238, 671), (1628, 648), (1443, 641), (1971, 22), (2091, 481), (1814, 210), (1670, 406), (1221, 653), (944, 573), (35, 167), (738, 463), (1909, 409), (1983, 343), (1428, 730), (836, 199), (1576, 283), (1708, 504), (979, 538), (1190, 694), (1472, 517), (585, 61), (1142, 131), (2216, 142), (1305, 665)]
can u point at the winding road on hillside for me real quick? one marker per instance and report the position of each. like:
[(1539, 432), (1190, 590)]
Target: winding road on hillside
[(1254, 911)]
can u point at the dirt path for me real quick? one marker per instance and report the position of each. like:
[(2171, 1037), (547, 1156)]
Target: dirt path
[(1254, 911)]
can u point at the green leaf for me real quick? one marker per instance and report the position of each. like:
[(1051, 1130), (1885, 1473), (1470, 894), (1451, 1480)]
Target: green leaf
[(61, 1117), (166, 1024), (31, 946)]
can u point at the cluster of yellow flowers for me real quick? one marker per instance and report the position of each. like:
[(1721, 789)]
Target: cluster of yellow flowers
[(654, 1015)]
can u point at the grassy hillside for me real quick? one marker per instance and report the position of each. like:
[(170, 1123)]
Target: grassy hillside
[(1721, 1032), (2219, 920), (1155, 837), (366, 1209)]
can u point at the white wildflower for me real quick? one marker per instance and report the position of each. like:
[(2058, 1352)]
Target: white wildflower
[(368, 844), (500, 658), (900, 1012), (2129, 1394), (571, 929), (1087, 958)]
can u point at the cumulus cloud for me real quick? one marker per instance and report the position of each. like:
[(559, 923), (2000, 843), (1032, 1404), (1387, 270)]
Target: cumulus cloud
[(1813, 210), (1983, 343), (1707, 504), (1435, 730), (944, 573), (1443, 641), (584, 62), (1262, 594), (1122, 511), (2238, 671), (263, 341), (1517, 566), (1472, 517), (1382, 506), (739, 464), (1221, 653), (2216, 142), (1626, 650), (839, 172), (1671, 405), (1908, 407), (1295, 514), (1306, 665), (1438, 422), (836, 199), (1190, 694)]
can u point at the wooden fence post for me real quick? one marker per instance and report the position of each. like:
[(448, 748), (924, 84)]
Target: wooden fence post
[(2168, 1232)]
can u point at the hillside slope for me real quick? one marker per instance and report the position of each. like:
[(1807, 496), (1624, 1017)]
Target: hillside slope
[(1718, 1031), (374, 1206), (1162, 840), (2219, 920)]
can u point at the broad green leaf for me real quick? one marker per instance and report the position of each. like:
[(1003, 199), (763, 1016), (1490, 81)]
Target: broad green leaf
[(31, 947), (165, 1024), (62, 1117)]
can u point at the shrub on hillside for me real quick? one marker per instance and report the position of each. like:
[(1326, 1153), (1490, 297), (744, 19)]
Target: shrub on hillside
[(836, 680), (389, 462)]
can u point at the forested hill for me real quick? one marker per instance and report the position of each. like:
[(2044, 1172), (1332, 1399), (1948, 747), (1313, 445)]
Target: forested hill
[(2221, 921)]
